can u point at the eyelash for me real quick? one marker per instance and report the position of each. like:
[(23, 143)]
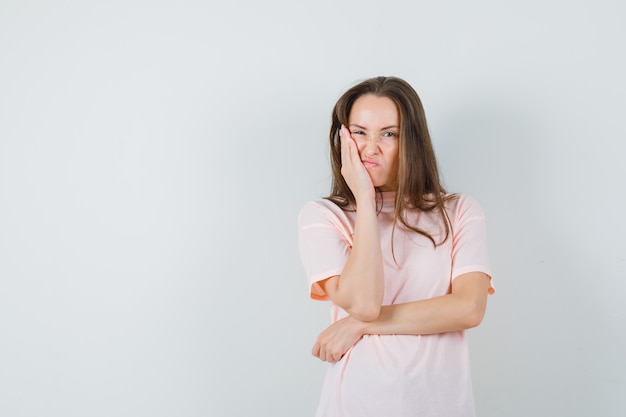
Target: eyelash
[(385, 134)]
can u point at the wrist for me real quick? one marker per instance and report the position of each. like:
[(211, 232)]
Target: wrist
[(365, 202), (360, 327)]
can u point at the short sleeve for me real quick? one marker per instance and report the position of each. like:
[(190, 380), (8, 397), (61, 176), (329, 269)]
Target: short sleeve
[(325, 242), (469, 239)]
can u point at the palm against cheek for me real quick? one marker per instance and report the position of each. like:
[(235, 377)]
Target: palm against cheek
[(352, 169)]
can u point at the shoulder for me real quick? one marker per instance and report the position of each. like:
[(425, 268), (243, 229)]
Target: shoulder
[(324, 217), (463, 207), (322, 204), (319, 210)]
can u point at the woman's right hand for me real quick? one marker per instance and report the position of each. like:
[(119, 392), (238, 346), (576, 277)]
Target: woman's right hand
[(352, 168)]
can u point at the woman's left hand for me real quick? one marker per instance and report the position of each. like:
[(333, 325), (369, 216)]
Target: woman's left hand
[(335, 341)]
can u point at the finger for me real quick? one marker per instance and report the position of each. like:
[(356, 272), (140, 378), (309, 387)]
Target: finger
[(347, 136), (343, 136), (353, 152), (319, 350), (351, 148), (349, 153), (316, 350), (330, 355), (344, 132)]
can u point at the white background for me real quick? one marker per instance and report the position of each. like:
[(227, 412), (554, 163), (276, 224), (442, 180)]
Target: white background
[(154, 156)]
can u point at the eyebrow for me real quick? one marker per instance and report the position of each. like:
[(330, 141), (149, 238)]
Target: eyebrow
[(384, 128)]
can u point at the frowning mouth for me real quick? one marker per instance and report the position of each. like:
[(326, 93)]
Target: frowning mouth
[(370, 163)]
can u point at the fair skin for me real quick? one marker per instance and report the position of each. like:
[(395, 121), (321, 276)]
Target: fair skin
[(369, 153), (369, 149)]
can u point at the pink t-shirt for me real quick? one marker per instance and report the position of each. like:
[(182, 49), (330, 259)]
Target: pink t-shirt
[(398, 375)]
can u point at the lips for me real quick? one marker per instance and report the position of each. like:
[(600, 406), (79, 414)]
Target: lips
[(370, 163)]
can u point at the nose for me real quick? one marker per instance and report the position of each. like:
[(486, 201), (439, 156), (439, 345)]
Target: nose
[(369, 146)]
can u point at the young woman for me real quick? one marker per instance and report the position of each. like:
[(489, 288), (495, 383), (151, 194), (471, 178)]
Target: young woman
[(403, 263)]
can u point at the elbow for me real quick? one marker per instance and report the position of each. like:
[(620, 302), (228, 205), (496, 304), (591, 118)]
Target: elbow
[(474, 317), (473, 320), (366, 313)]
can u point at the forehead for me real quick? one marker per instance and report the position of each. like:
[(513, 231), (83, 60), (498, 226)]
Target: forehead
[(373, 111)]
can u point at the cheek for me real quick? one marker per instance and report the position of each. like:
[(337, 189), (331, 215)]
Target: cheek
[(393, 155)]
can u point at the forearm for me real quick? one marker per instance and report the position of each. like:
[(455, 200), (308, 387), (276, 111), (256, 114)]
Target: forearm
[(359, 289), (436, 315), (462, 309)]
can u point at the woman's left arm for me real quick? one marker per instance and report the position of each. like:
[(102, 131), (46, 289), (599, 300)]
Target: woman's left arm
[(462, 309)]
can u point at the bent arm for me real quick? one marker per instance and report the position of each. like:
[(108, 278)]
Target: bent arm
[(462, 309), (359, 289)]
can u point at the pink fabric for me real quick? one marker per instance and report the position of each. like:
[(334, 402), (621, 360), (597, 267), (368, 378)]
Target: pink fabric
[(398, 375)]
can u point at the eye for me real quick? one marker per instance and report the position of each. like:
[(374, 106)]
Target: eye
[(389, 134), (357, 132)]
